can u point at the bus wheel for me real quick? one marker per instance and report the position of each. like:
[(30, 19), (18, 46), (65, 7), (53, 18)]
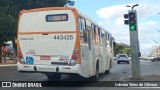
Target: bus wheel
[(54, 77)]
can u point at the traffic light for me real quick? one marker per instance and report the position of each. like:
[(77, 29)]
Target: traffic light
[(126, 21), (132, 20)]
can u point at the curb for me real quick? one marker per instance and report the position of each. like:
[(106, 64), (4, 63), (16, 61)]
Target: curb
[(6, 65)]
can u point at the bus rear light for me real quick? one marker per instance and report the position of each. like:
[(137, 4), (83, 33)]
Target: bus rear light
[(74, 57), (75, 51), (20, 55), (73, 62), (22, 61), (18, 51)]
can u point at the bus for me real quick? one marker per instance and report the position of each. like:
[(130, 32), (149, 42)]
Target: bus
[(62, 40)]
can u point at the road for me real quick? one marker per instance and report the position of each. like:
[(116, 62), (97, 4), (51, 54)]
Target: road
[(10, 74), (117, 73)]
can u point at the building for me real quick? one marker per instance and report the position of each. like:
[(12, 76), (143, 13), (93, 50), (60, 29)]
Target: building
[(155, 51)]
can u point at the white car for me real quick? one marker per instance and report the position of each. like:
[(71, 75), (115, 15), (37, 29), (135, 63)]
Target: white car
[(151, 57), (123, 58)]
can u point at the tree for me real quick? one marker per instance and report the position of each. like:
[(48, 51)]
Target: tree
[(122, 48), (9, 10)]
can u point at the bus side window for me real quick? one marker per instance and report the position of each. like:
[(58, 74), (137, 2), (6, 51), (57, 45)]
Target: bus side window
[(106, 39), (89, 32), (110, 42), (100, 36), (93, 33), (97, 36), (83, 32), (80, 25)]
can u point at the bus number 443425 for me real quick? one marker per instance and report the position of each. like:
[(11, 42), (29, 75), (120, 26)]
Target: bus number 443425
[(63, 37)]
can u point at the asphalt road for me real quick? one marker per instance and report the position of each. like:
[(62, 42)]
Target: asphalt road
[(117, 73)]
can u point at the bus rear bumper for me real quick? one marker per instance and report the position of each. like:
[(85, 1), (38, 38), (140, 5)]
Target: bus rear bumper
[(77, 69)]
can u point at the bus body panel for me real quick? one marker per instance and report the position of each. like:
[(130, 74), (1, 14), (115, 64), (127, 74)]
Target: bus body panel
[(85, 59), (45, 45), (77, 69), (42, 42), (36, 22), (37, 37)]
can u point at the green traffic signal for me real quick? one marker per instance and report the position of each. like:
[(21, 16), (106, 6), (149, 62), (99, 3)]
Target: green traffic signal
[(132, 21), (132, 27)]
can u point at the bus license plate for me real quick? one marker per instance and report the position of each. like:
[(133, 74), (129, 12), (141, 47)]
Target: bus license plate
[(45, 58)]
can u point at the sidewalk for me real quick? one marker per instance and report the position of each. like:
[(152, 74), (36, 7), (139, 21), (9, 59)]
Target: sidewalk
[(8, 63)]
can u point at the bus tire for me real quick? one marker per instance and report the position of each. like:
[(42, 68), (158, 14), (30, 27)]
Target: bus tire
[(54, 77)]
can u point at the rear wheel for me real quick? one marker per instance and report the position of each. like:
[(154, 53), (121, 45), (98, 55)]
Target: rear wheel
[(54, 77), (118, 62)]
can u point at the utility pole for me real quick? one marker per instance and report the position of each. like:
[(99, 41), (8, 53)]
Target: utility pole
[(134, 42)]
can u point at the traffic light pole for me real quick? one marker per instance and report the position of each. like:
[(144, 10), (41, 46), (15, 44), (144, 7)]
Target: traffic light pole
[(134, 43)]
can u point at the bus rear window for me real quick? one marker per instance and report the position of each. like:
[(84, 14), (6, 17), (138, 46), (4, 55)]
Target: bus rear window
[(56, 17)]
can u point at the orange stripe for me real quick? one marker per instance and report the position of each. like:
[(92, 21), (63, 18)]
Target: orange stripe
[(47, 32), (18, 44), (47, 8), (77, 43)]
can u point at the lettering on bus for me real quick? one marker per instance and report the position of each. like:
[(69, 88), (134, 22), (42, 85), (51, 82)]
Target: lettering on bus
[(63, 37), (26, 38)]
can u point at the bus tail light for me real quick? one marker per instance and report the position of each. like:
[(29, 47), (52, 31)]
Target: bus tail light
[(20, 57), (74, 57), (75, 52)]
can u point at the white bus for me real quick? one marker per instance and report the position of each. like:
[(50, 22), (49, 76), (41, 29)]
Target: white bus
[(62, 40)]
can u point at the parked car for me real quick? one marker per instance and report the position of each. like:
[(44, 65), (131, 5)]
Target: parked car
[(156, 59), (123, 58), (146, 58), (129, 58), (151, 58)]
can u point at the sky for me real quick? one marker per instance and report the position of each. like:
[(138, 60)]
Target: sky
[(109, 14)]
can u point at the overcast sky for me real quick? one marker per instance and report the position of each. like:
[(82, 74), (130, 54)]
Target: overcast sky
[(109, 14)]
